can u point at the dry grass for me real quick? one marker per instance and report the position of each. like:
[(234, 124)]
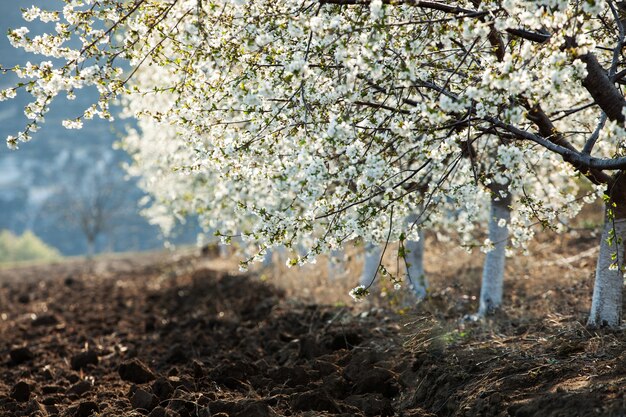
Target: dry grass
[(553, 282)]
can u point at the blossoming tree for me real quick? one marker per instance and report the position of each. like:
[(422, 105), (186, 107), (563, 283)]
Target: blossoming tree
[(328, 120)]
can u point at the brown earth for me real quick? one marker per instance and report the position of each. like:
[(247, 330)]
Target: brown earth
[(164, 335)]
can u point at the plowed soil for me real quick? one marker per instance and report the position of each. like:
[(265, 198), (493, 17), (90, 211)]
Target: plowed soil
[(164, 336)]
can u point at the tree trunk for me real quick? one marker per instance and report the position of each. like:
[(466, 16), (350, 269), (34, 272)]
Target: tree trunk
[(414, 258), (336, 265), (224, 250), (268, 258), (370, 265), (606, 305), (493, 268), (91, 248)]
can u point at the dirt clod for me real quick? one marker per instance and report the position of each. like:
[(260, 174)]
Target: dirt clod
[(86, 409), (79, 388), (143, 400), (240, 408), (20, 355), (135, 371), (162, 388), (376, 380), (314, 400), (371, 404), (20, 392), (158, 412), (83, 359), (45, 320), (35, 409)]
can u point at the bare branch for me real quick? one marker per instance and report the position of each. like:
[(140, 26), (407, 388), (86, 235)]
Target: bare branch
[(433, 5), (572, 156)]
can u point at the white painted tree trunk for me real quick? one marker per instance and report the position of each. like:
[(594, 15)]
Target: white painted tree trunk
[(416, 277), (224, 250), (370, 264), (493, 268), (606, 305), (268, 258), (336, 266), (279, 255)]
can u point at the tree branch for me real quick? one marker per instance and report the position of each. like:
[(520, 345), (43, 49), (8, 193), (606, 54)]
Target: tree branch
[(602, 89), (530, 36), (381, 106), (550, 132), (572, 156), (433, 5)]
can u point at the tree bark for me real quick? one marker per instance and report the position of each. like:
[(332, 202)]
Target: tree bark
[(603, 90), (224, 251), (370, 265), (268, 258), (606, 304), (336, 265), (91, 247), (493, 268), (414, 258)]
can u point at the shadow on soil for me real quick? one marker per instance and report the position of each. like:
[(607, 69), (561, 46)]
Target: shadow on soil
[(179, 342)]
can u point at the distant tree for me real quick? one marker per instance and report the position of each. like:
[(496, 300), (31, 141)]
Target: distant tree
[(90, 200)]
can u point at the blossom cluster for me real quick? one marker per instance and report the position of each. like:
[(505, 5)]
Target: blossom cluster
[(315, 123)]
